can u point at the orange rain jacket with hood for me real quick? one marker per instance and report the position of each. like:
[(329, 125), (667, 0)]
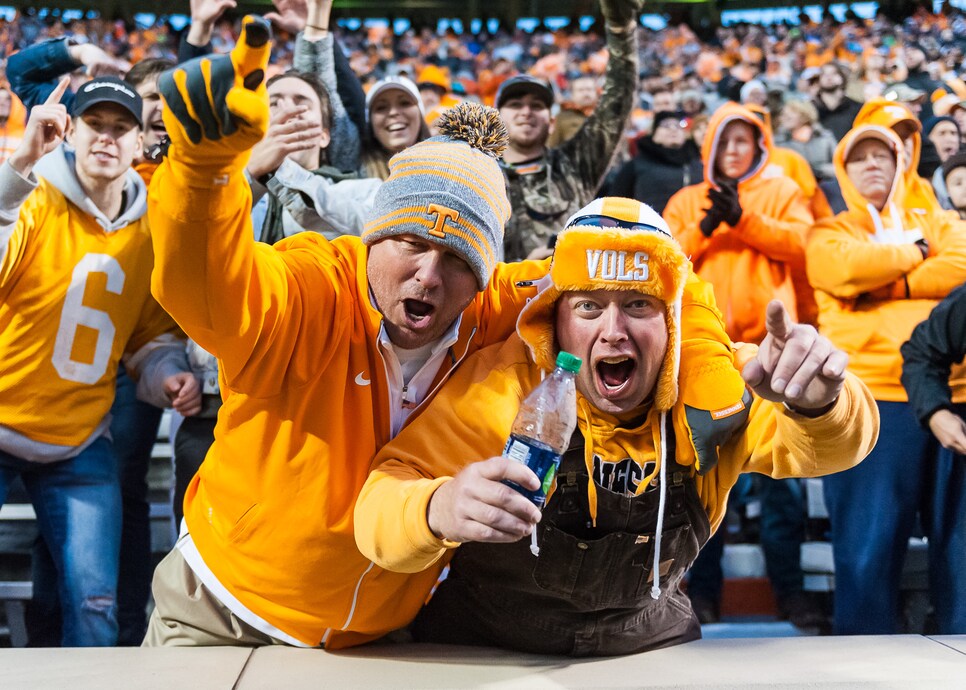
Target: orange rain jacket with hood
[(871, 281), (884, 113), (752, 263)]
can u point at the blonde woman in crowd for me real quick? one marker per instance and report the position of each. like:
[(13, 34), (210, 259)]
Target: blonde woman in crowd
[(394, 121)]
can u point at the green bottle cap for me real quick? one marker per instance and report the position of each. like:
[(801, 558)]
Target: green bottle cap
[(568, 362)]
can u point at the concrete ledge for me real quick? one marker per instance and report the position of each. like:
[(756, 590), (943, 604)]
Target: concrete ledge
[(900, 661)]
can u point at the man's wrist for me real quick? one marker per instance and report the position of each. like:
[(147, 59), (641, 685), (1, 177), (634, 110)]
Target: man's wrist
[(265, 177), (21, 164), (199, 33), (811, 413), (76, 52)]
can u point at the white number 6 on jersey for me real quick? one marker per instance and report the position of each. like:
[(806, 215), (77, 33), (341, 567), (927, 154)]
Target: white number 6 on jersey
[(76, 314)]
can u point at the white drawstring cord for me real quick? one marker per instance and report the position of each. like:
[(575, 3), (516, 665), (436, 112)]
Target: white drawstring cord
[(656, 567), (534, 549), (877, 222)]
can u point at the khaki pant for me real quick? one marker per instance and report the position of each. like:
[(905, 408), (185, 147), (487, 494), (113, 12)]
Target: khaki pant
[(187, 614)]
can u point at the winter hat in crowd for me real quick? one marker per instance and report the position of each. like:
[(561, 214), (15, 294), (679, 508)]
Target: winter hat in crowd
[(751, 86), (957, 160), (931, 122), (677, 115), (449, 189), (399, 83)]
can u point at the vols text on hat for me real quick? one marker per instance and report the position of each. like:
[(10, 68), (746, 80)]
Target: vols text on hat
[(611, 264)]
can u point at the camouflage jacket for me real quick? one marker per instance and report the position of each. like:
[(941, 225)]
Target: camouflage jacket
[(545, 192)]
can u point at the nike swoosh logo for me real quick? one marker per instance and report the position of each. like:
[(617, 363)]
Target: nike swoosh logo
[(361, 379)]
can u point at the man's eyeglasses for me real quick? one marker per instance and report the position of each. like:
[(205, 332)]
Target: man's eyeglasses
[(598, 221)]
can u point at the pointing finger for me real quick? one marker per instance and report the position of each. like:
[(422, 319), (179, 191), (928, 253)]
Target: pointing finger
[(777, 321), (58, 92), (251, 52)]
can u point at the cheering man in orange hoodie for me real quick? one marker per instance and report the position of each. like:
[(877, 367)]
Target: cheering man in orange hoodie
[(878, 269)]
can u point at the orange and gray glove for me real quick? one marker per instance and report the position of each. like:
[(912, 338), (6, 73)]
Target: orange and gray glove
[(217, 108)]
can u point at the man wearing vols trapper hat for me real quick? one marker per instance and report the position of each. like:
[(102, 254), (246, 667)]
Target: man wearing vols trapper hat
[(630, 509)]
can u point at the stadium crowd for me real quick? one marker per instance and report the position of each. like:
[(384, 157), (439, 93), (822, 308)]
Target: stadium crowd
[(297, 250)]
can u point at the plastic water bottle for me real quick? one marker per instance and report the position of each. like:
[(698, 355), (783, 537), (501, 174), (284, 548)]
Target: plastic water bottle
[(543, 427)]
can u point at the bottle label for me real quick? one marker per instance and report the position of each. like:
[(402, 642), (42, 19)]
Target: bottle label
[(540, 458)]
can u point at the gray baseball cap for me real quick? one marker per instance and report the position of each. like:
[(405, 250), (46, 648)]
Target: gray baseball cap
[(524, 83)]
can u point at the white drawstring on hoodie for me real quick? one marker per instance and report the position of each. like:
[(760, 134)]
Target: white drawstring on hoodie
[(896, 234)]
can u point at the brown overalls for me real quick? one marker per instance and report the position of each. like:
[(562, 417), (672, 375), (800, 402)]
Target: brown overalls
[(589, 591)]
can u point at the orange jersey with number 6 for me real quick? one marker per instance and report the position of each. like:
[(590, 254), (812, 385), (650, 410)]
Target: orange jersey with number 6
[(74, 299)]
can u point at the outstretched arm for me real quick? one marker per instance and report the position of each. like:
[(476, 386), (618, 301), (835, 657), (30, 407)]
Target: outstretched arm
[(315, 53), (592, 148), (36, 71), (196, 41), (232, 297), (829, 421)]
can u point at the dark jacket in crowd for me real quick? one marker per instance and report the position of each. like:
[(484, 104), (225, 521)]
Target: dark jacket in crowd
[(657, 172), (934, 347), (921, 81), (929, 159), (838, 121)]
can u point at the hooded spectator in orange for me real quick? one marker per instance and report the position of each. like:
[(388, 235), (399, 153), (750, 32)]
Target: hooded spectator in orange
[(790, 163), (897, 117), (750, 246), (11, 122), (743, 230), (878, 269)]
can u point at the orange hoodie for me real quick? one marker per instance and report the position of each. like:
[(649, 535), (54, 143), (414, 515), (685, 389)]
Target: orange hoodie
[(871, 281), (749, 264), (792, 164), (306, 406), (885, 113)]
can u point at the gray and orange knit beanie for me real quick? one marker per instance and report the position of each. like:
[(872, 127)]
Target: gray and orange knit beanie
[(449, 189)]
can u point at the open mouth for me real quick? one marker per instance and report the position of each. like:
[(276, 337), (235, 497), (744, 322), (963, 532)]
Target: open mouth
[(613, 373), (418, 311)]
